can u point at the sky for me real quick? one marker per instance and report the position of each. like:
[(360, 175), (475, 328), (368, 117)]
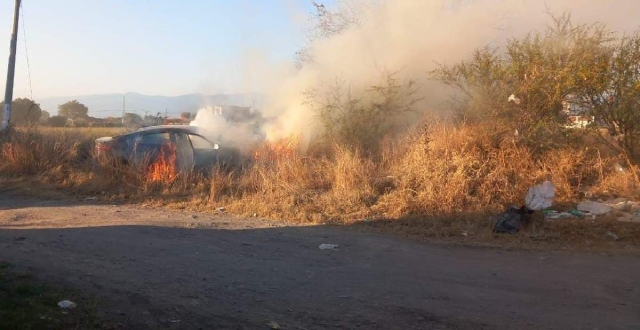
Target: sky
[(156, 47)]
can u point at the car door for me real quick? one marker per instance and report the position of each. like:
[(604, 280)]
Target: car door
[(185, 157), (147, 147), (204, 151)]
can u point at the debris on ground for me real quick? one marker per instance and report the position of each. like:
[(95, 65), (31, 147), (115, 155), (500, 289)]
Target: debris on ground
[(273, 325), (67, 304), (222, 209), (620, 209), (577, 213), (513, 98), (540, 197), (595, 208), (325, 246), (554, 215), (19, 217), (512, 220), (90, 199), (614, 236)]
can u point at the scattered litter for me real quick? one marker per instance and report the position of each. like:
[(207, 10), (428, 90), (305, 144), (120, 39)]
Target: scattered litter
[(273, 325), (367, 220), (622, 206), (513, 98), (465, 234), (558, 215), (540, 197), (619, 168), (67, 304), (512, 220), (577, 213), (255, 215), (325, 246), (222, 209), (595, 208), (89, 199), (614, 236), (19, 217)]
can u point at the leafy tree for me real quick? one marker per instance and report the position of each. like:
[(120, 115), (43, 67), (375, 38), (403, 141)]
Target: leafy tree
[(151, 120), (44, 116), (360, 121), (525, 86), (186, 115), (132, 119), (57, 121), (24, 111), (616, 103), (586, 64), (73, 110)]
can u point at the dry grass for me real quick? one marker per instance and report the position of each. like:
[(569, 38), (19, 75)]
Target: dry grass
[(441, 182)]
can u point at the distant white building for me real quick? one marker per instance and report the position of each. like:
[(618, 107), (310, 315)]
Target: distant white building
[(577, 112)]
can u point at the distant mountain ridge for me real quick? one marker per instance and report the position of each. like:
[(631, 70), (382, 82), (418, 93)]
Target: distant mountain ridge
[(110, 105)]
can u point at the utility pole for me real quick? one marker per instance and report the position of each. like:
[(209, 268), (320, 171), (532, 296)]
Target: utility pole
[(11, 70), (123, 107)]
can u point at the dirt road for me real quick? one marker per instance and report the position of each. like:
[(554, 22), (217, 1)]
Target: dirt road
[(154, 268)]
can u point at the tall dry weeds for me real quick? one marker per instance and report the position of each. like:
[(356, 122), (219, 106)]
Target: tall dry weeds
[(440, 170)]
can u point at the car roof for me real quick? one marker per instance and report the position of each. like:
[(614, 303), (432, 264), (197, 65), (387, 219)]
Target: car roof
[(173, 128)]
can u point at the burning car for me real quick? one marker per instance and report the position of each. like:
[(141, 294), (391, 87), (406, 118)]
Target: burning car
[(168, 148)]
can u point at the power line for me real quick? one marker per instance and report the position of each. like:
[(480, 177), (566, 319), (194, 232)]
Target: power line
[(26, 50)]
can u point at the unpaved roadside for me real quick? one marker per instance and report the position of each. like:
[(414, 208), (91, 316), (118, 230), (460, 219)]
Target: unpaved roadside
[(156, 268)]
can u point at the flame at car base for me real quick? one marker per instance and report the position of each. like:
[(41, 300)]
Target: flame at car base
[(164, 168)]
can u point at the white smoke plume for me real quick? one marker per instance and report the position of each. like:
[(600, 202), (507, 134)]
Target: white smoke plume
[(412, 36), (222, 130)]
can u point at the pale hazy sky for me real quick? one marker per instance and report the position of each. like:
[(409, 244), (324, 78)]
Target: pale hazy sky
[(159, 47)]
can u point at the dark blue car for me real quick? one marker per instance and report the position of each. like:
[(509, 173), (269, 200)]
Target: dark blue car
[(190, 146)]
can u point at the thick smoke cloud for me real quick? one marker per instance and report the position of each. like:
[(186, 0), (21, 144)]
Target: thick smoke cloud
[(411, 37)]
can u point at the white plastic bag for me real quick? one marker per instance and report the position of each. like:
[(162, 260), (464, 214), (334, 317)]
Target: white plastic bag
[(540, 197)]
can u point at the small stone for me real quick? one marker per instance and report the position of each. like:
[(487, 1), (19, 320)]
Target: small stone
[(65, 304), (626, 217), (614, 236), (273, 325)]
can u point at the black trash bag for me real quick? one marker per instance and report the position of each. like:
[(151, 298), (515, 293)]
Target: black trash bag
[(512, 220)]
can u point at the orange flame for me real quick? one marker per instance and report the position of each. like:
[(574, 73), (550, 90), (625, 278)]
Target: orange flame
[(164, 168), (276, 150)]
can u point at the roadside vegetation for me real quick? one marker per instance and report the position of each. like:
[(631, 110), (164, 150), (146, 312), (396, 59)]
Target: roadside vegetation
[(26, 303), (442, 179)]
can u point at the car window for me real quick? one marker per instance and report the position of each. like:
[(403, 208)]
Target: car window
[(156, 139), (199, 142)]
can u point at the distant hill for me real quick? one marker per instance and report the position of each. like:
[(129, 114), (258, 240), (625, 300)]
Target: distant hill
[(110, 105)]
